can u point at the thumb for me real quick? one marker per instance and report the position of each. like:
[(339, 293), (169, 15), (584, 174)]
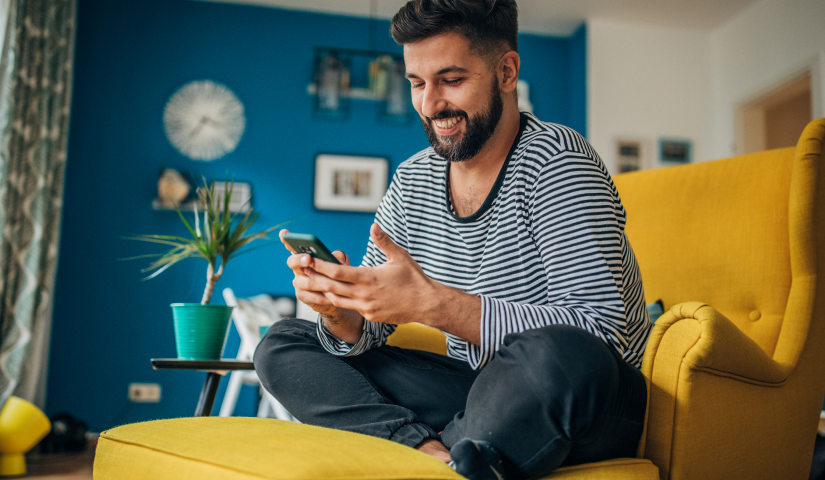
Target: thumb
[(385, 243), (341, 256)]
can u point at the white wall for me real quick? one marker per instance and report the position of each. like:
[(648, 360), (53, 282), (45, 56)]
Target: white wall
[(768, 43), (647, 82)]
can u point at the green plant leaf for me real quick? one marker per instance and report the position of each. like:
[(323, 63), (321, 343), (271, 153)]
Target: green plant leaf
[(214, 238), (148, 255), (183, 219), (197, 222)]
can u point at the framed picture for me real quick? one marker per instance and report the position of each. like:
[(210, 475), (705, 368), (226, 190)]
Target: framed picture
[(348, 183), (674, 151), (629, 155)]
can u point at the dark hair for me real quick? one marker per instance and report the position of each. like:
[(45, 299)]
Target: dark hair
[(488, 25)]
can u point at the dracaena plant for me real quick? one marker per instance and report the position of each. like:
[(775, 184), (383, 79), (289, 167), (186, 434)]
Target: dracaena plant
[(212, 239)]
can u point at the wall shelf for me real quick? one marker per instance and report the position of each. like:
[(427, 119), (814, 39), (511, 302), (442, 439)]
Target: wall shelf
[(190, 207), (352, 93)]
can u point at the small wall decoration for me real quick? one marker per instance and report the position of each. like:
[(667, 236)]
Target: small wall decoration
[(350, 183), (331, 83), (173, 188), (674, 151), (629, 153), (397, 102), (204, 120), (176, 188)]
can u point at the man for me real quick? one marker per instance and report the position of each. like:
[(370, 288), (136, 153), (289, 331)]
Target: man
[(508, 235)]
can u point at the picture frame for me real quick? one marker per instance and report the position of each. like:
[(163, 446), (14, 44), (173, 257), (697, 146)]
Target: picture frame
[(630, 155), (350, 183), (675, 151)]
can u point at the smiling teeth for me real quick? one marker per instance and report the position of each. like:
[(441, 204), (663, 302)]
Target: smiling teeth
[(447, 123)]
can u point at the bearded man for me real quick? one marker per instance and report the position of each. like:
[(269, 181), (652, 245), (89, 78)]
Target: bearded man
[(507, 234)]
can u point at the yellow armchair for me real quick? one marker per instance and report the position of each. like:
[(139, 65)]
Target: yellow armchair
[(736, 367), (736, 382)]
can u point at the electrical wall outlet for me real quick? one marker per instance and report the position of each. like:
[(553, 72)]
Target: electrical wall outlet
[(144, 392)]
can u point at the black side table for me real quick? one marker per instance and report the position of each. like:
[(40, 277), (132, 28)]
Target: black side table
[(214, 369)]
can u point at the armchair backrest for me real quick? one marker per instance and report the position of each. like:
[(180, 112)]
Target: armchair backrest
[(721, 233)]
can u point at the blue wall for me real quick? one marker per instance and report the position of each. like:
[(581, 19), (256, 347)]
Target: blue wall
[(131, 56)]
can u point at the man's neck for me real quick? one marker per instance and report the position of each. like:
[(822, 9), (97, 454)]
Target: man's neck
[(471, 180)]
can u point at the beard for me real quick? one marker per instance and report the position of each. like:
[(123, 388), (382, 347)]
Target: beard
[(478, 130)]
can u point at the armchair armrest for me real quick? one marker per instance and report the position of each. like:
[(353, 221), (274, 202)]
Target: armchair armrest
[(713, 393), (719, 347)]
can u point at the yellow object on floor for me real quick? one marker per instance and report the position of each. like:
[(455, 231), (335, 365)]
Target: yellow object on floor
[(227, 448), (22, 425), (242, 448), (735, 367)]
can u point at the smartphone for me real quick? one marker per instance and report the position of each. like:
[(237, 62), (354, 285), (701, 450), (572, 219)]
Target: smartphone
[(306, 243)]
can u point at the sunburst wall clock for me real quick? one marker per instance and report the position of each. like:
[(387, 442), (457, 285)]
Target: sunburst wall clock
[(204, 120)]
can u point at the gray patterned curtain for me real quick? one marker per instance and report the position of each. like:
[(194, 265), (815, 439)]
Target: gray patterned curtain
[(35, 90)]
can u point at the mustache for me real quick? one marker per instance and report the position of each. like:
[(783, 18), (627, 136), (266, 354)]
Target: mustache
[(448, 114)]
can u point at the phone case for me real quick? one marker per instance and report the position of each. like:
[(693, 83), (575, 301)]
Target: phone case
[(306, 243)]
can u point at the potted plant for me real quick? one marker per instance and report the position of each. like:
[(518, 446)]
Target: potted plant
[(201, 328)]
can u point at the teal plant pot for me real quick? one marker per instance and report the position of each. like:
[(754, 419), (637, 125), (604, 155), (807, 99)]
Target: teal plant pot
[(200, 330)]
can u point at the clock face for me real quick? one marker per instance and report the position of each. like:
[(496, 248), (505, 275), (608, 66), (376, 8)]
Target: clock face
[(204, 120)]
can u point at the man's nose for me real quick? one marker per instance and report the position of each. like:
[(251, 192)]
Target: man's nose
[(432, 102)]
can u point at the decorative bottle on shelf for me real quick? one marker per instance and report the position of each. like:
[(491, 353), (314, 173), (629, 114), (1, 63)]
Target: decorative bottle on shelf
[(331, 79)]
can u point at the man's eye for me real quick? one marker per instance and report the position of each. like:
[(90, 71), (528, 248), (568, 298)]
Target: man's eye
[(452, 82), (417, 85)]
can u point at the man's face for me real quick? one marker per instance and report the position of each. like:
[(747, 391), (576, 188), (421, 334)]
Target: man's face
[(455, 93)]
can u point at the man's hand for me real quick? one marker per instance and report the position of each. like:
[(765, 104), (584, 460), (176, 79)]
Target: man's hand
[(396, 292), (399, 292), (305, 290), (344, 324)]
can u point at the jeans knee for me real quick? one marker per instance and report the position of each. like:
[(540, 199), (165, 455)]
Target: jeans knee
[(563, 354), (278, 339)]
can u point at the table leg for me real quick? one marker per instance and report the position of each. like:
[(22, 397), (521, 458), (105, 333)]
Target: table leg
[(207, 398)]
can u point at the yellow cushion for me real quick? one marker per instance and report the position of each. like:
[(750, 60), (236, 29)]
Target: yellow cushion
[(618, 469), (242, 448), (419, 337), (221, 448)]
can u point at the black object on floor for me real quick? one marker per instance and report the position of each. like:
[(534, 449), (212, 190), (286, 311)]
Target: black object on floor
[(477, 460), (68, 435)]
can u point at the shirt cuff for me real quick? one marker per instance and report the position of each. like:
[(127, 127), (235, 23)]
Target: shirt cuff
[(336, 346), (479, 355)]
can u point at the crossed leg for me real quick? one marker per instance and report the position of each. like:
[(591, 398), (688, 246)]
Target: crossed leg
[(552, 396)]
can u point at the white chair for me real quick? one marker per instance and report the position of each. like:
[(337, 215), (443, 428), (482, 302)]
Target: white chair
[(249, 315), (305, 312)]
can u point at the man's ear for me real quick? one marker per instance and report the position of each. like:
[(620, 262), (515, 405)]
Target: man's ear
[(508, 68)]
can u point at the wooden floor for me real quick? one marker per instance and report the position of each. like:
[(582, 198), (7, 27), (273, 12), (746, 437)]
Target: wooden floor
[(66, 466)]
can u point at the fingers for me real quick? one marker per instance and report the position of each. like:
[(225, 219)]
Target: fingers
[(299, 263), (344, 302), (326, 284), (313, 299), (281, 234), (307, 284), (343, 273), (341, 256)]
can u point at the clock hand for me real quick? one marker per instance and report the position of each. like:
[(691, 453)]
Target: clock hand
[(204, 120)]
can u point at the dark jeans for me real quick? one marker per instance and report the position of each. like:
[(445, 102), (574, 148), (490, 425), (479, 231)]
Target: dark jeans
[(552, 396)]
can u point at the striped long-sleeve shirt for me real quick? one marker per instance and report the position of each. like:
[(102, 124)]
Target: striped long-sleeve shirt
[(547, 246)]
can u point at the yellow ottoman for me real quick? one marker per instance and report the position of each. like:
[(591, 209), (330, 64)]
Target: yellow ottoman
[(229, 448)]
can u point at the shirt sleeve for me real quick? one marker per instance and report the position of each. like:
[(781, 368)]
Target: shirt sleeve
[(577, 222), (390, 217)]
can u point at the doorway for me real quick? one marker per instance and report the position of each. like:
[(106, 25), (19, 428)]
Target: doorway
[(775, 119)]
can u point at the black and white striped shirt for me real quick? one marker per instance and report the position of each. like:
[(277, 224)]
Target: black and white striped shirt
[(547, 246)]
